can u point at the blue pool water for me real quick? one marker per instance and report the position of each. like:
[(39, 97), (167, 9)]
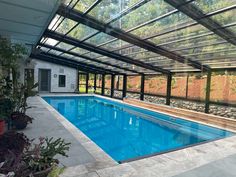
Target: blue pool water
[(126, 132)]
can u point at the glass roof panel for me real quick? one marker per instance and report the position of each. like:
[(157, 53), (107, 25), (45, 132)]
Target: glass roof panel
[(84, 5), (64, 46), (170, 21), (212, 5), (55, 22), (81, 31), (100, 38), (65, 26), (108, 9), (185, 42), (226, 17), (55, 52), (143, 14)]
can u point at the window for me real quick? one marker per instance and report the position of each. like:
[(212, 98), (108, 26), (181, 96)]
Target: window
[(62, 80)]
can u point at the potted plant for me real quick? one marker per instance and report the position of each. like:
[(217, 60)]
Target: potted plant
[(41, 157), (20, 157), (19, 117)]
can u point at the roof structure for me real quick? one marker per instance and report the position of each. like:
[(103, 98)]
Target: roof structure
[(142, 36)]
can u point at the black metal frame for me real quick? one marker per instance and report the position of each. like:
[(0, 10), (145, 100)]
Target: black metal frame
[(195, 13), (120, 34)]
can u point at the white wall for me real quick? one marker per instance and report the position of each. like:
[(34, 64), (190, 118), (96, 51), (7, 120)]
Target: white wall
[(70, 73)]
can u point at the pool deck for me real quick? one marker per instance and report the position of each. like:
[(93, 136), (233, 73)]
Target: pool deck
[(86, 159)]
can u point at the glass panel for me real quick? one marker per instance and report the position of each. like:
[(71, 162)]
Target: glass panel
[(55, 22), (108, 9), (170, 22), (143, 14), (65, 26), (100, 38), (179, 85), (51, 41), (226, 17), (84, 5), (212, 5), (55, 52), (81, 31), (64, 46)]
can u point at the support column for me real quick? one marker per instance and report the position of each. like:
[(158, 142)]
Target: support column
[(168, 89), (124, 86), (95, 83), (186, 96), (103, 84), (87, 79), (208, 91), (78, 86), (142, 87), (112, 84)]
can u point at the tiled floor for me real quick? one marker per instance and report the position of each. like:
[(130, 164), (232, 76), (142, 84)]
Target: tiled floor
[(87, 159)]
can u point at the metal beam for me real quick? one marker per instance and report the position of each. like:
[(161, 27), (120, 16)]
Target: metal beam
[(85, 57), (83, 65), (63, 63), (93, 48), (198, 15), (120, 34)]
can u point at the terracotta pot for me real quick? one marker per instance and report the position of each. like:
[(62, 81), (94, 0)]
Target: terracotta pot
[(2, 126)]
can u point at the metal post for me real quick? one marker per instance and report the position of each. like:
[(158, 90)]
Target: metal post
[(87, 79), (78, 85), (168, 90), (208, 91), (124, 86), (103, 84), (95, 83), (112, 84), (186, 96), (142, 87)]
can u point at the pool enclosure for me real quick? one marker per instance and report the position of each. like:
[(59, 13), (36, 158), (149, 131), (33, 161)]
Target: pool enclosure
[(111, 42)]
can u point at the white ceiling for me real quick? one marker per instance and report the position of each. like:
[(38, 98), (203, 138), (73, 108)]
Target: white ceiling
[(24, 21)]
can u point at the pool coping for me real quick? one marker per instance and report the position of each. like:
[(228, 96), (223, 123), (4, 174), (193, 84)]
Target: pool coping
[(96, 151)]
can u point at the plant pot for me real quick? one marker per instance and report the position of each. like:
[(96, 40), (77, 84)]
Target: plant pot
[(43, 173), (2, 127), (19, 120)]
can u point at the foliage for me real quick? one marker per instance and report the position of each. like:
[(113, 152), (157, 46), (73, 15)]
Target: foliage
[(22, 157), (21, 94), (12, 145), (10, 53), (42, 155), (6, 107)]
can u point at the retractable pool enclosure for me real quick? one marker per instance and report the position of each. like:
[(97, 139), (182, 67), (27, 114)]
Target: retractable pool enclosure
[(142, 38)]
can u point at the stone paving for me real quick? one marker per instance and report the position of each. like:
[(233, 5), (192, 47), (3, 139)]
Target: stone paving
[(86, 159)]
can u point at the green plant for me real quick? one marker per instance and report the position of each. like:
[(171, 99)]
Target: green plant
[(6, 107), (10, 54), (41, 156)]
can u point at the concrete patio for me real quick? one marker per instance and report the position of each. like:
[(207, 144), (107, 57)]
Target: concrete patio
[(216, 158)]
